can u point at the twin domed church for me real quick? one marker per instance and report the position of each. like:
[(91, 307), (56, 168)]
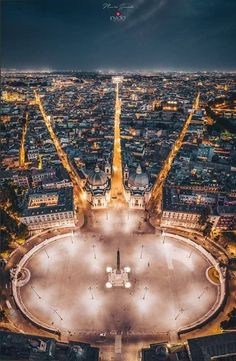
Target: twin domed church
[(98, 187), (137, 187)]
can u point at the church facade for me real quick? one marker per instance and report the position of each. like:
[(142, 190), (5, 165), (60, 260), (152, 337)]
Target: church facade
[(137, 188), (98, 188)]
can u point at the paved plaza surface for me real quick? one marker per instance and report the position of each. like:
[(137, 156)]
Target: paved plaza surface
[(66, 290)]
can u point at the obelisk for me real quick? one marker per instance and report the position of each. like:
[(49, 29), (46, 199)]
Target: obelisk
[(118, 261)]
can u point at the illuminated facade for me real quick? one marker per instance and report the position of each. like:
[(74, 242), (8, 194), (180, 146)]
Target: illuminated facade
[(180, 219), (137, 188), (47, 209), (98, 188)]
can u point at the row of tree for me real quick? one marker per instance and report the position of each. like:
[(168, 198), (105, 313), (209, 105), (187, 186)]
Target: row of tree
[(221, 123), (229, 324), (204, 221), (10, 229), (9, 196), (10, 226)]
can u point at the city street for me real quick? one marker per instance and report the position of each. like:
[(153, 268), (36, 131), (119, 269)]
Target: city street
[(155, 202), (117, 187), (22, 145), (78, 191)]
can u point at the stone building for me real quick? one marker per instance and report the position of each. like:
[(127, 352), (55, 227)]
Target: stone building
[(137, 188), (98, 188)]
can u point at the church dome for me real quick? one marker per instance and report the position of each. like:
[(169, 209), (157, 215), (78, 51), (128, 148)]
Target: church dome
[(138, 179), (97, 177)]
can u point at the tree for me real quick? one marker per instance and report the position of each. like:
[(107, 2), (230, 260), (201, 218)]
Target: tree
[(217, 238), (9, 193), (204, 215), (207, 229), (231, 322), (7, 222), (10, 229), (22, 231), (5, 239)]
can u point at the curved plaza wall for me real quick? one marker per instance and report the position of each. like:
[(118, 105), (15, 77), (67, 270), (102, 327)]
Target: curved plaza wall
[(16, 287), (221, 294), (214, 310)]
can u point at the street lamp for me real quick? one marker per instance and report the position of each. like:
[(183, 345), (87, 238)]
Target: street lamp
[(46, 253), (145, 292), (35, 292), (202, 293), (164, 237), (55, 311), (141, 255), (127, 269), (127, 284), (108, 285), (94, 253), (91, 292), (180, 312)]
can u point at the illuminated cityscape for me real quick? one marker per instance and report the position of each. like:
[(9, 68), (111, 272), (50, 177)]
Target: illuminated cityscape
[(118, 206), (95, 163)]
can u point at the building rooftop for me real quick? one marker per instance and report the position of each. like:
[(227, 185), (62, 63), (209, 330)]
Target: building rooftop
[(48, 201), (22, 347), (221, 347)]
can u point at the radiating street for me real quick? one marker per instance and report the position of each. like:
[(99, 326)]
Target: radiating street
[(78, 191), (22, 145), (155, 202), (117, 187)]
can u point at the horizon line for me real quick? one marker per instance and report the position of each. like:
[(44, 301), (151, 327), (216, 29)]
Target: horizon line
[(111, 71)]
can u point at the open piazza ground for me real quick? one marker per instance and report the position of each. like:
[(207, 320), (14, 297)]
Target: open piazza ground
[(66, 290)]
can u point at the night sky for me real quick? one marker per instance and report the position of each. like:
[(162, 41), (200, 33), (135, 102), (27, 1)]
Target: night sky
[(154, 35)]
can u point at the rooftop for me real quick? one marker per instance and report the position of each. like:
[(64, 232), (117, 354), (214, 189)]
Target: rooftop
[(48, 201)]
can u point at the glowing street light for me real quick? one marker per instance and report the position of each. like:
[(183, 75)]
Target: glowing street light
[(94, 252), (127, 284), (108, 285), (145, 293), (141, 254), (127, 269), (91, 293), (164, 236)]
